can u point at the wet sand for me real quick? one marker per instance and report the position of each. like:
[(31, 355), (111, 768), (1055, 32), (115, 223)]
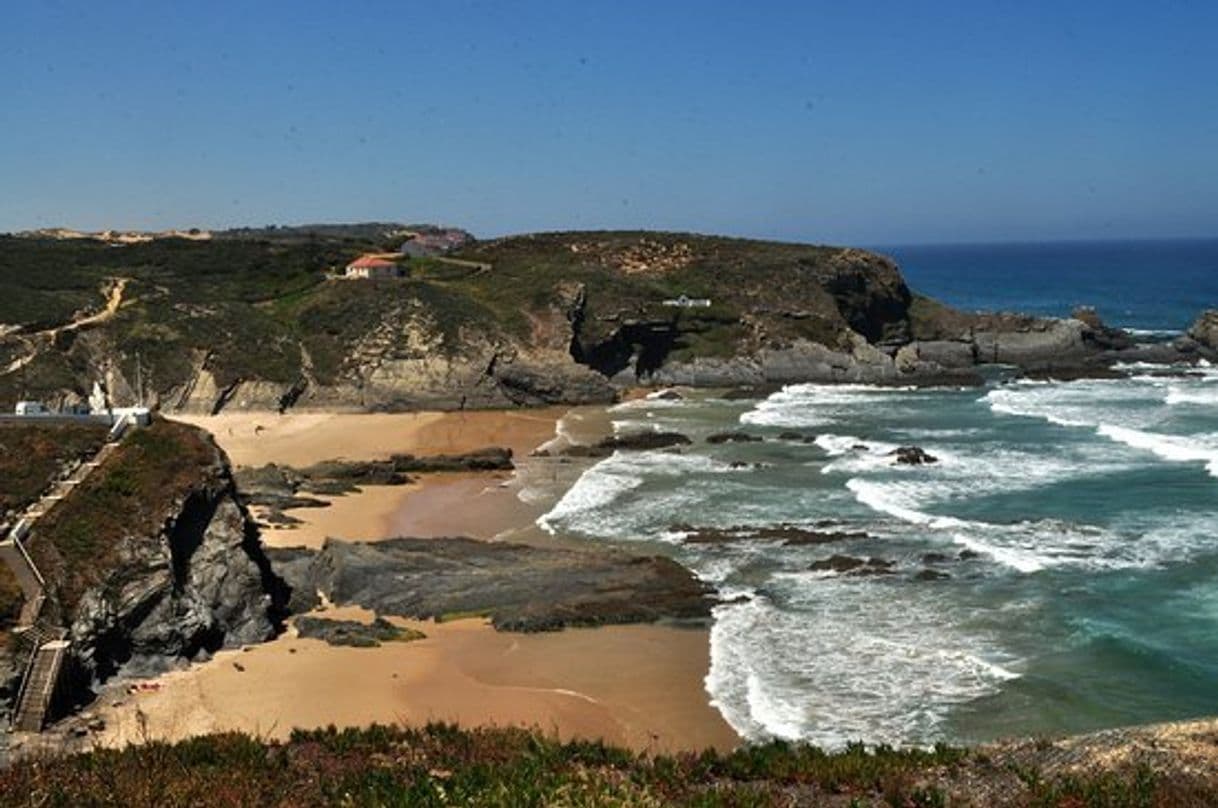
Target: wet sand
[(640, 686), (474, 505)]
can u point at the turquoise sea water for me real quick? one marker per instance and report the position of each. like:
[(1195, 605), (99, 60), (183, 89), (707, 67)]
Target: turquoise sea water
[(1075, 522)]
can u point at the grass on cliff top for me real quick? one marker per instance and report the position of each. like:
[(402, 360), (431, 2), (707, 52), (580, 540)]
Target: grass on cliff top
[(256, 309), (78, 543), (442, 765), (31, 453)]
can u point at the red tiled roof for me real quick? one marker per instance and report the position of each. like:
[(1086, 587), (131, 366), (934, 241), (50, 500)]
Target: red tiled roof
[(369, 261)]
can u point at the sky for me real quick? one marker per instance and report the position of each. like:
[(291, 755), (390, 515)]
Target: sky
[(837, 122)]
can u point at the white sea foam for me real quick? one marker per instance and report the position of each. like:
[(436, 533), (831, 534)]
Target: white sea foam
[(586, 506), (847, 662), (1029, 546), (596, 488), (814, 405), (1172, 448), (648, 402), (882, 498), (1023, 402), (1200, 395), (829, 658)]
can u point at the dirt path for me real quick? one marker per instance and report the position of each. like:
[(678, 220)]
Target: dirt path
[(114, 299)]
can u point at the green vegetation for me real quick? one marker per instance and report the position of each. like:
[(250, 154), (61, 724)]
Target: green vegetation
[(10, 600), (443, 765), (257, 305), (32, 453), (78, 542), (185, 299)]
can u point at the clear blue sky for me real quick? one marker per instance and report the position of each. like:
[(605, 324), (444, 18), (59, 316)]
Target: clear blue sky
[(827, 121)]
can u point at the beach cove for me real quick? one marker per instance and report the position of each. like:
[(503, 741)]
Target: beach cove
[(637, 685)]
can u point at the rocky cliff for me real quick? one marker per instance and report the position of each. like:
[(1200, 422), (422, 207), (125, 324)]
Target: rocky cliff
[(153, 559), (258, 323)]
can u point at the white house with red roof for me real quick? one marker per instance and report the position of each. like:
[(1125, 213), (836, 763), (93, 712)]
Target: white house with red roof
[(372, 266)]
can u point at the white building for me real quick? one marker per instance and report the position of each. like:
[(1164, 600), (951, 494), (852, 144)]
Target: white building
[(371, 266), (32, 409), (98, 410)]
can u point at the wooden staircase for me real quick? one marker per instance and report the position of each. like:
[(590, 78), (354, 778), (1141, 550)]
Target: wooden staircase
[(38, 686), (43, 644)]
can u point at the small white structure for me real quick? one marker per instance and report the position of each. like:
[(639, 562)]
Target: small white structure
[(684, 302), (367, 267), (98, 410), (32, 409)]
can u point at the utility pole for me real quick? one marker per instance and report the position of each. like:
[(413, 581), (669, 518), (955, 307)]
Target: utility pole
[(139, 380)]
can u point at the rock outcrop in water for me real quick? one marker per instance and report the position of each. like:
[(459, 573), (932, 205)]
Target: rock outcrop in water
[(1205, 330), (912, 456), (255, 322)]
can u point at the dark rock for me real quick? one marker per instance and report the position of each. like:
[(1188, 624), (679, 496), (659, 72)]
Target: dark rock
[(849, 565), (631, 441), (838, 563), (278, 518), (520, 587), (733, 437), (668, 395), (738, 464), (968, 555), (197, 582), (796, 538), (860, 447), (278, 487), (493, 458), (1073, 373), (797, 437), (789, 535), (644, 440), (1100, 335), (931, 575), (294, 565), (912, 456), (353, 632), (935, 558), (1205, 330)]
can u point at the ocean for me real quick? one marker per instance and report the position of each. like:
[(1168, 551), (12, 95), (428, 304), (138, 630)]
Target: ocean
[(1055, 571)]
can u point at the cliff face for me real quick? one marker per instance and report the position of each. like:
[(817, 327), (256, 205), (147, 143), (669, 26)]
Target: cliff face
[(521, 321), (203, 585), (171, 568)]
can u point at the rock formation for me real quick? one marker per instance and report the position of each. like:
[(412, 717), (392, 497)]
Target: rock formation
[(551, 318), (175, 570), (520, 587)]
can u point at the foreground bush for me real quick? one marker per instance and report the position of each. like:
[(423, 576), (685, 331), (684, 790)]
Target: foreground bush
[(443, 765)]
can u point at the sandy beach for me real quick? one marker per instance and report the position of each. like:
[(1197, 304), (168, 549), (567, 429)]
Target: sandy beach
[(300, 439), (423, 508), (641, 686), (631, 685)]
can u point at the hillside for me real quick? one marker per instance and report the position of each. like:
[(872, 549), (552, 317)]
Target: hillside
[(251, 319), (32, 457)]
